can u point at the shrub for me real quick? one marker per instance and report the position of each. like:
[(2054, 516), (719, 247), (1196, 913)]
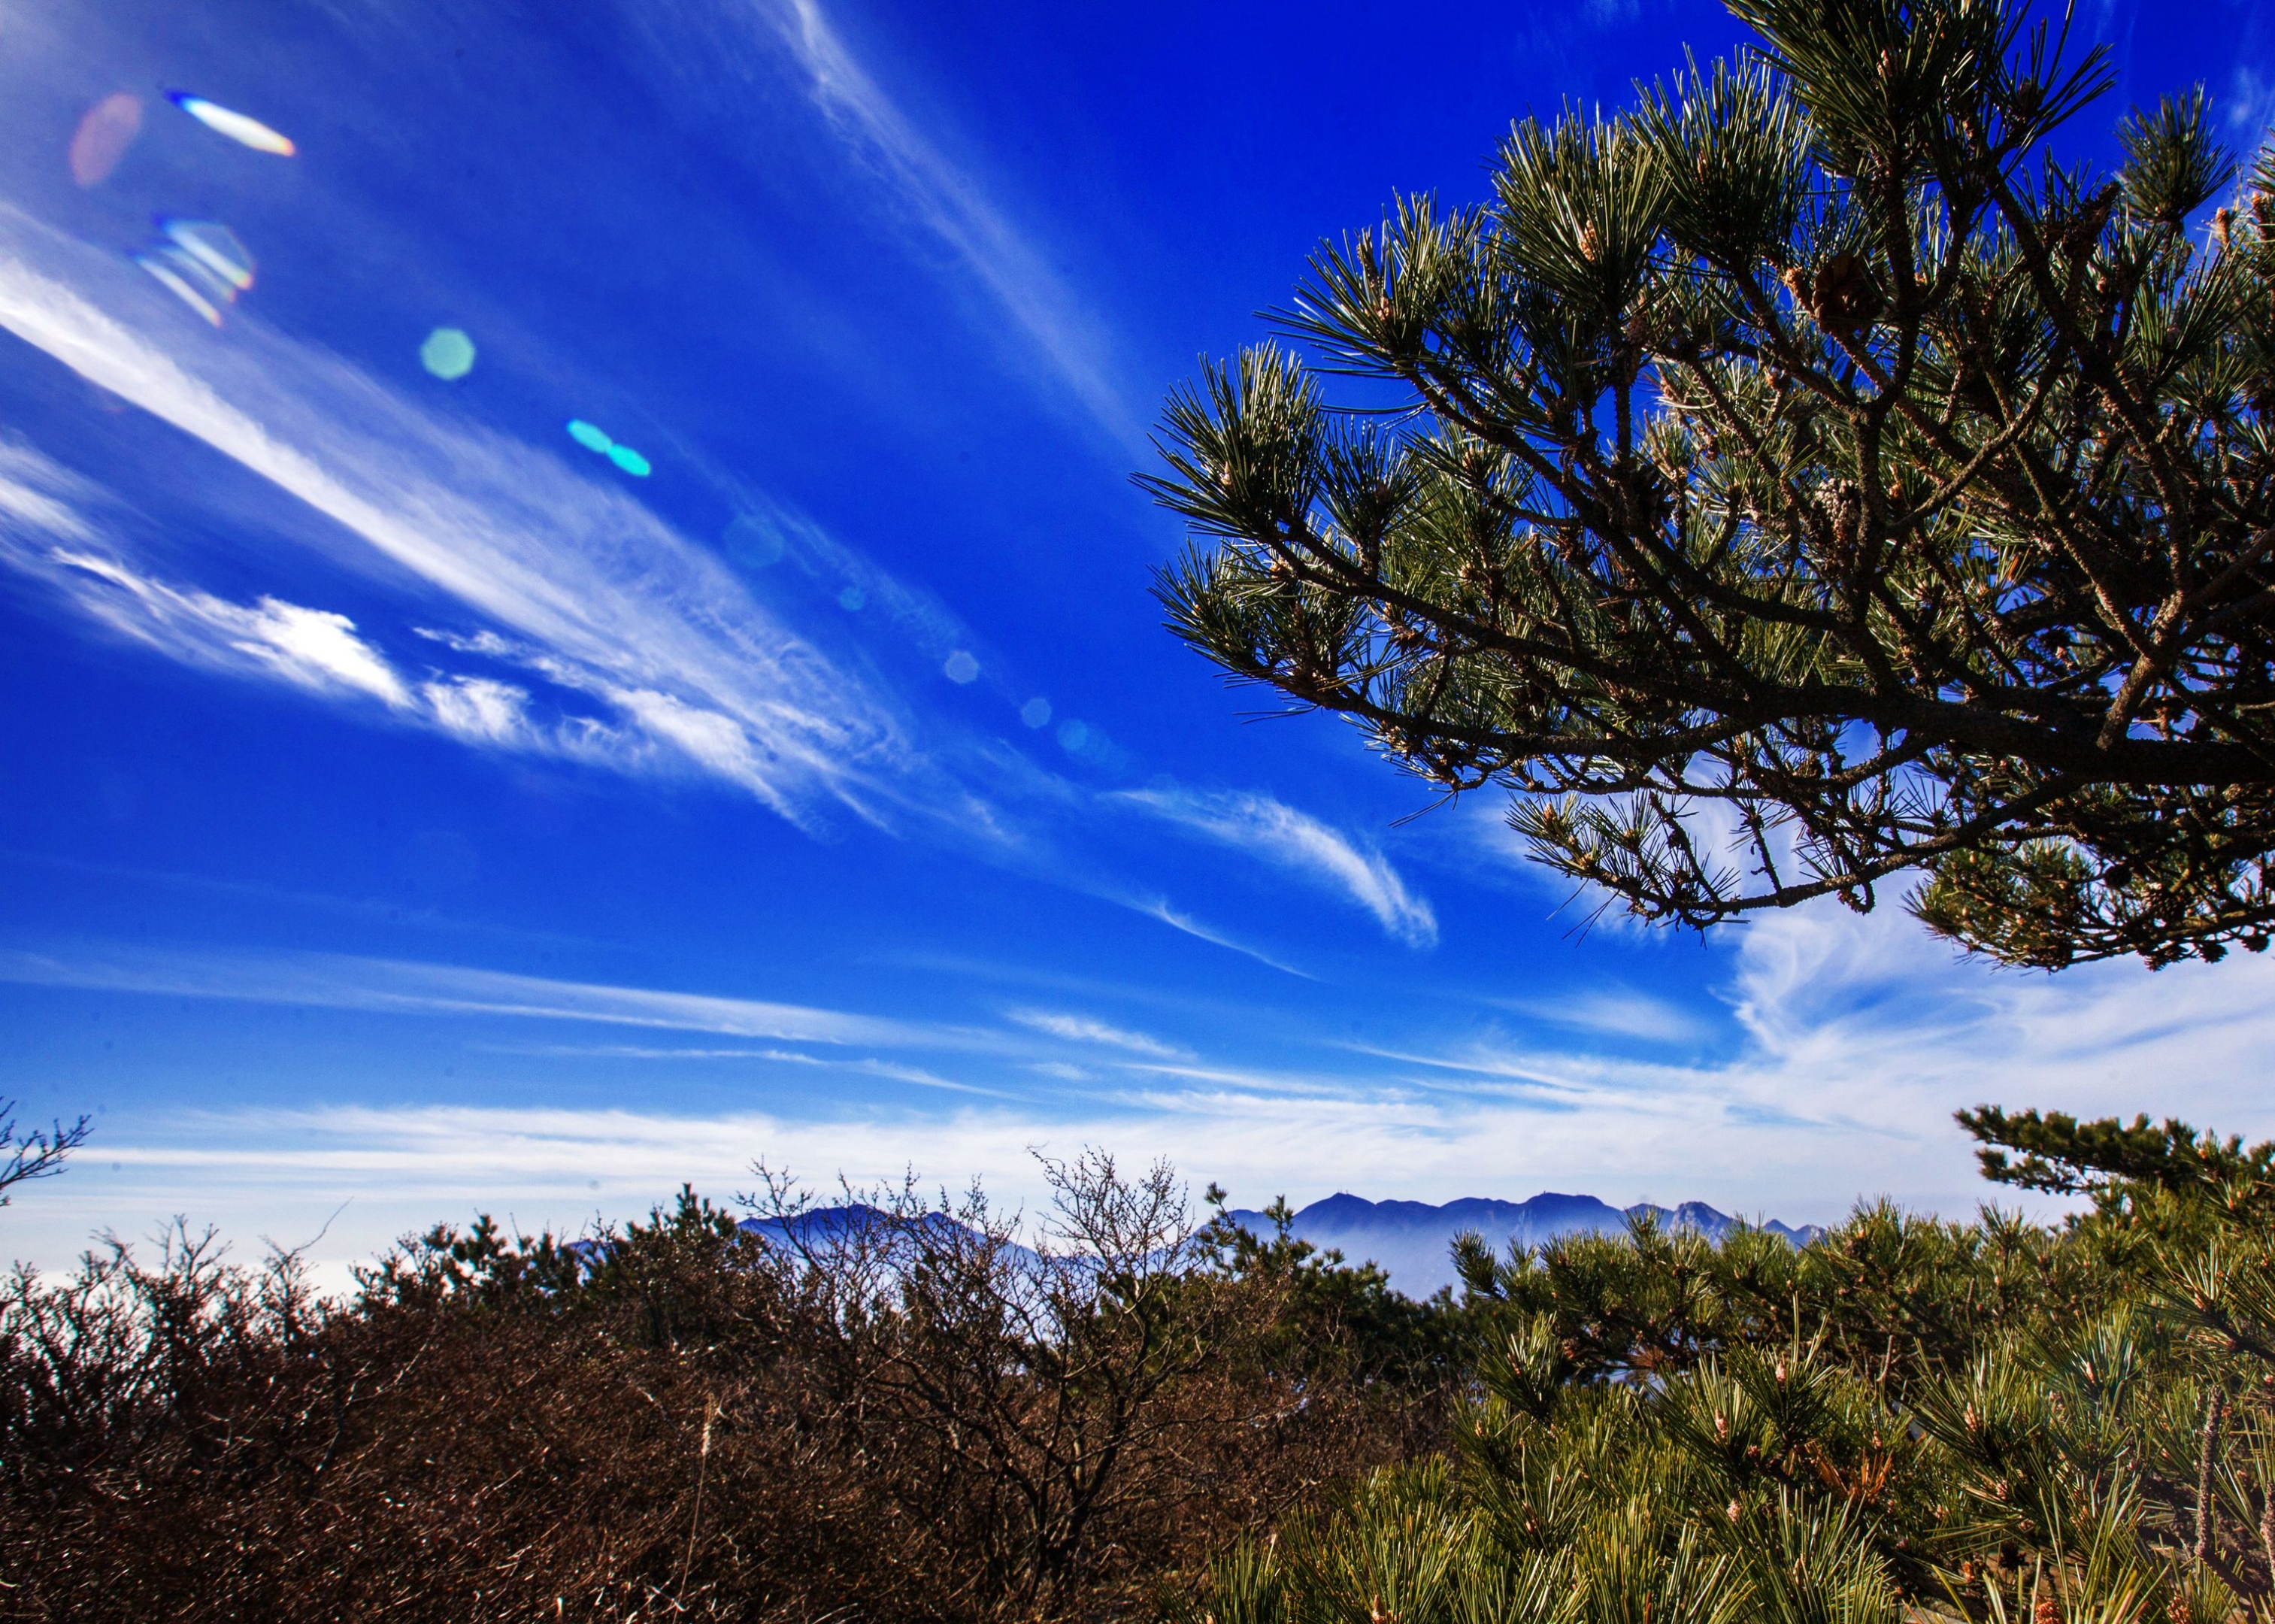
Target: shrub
[(887, 1410)]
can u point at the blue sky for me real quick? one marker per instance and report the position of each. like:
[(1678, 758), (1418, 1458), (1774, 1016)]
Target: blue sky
[(410, 812)]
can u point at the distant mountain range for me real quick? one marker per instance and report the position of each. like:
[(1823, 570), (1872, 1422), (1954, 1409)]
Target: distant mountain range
[(1413, 1241)]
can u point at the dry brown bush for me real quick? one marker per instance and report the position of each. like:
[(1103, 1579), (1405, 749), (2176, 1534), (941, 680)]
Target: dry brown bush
[(903, 1414)]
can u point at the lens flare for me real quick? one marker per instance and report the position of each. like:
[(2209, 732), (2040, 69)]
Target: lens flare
[(1035, 712), (593, 438), (961, 668), (104, 134), (448, 353), (216, 248), (201, 263), (753, 543), (852, 598), (244, 130), (167, 266)]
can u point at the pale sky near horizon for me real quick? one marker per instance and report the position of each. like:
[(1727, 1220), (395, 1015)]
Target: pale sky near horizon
[(412, 811)]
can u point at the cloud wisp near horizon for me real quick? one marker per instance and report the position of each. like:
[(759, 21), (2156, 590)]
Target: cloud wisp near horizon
[(1854, 1039)]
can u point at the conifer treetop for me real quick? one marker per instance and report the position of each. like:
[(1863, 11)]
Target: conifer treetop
[(1801, 481)]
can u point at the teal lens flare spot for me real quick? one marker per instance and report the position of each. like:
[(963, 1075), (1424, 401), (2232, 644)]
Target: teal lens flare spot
[(630, 461), (961, 668), (1073, 736), (591, 438), (1035, 712), (851, 598), (448, 354)]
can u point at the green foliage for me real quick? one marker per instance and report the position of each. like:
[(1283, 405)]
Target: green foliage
[(1994, 1422), (2059, 1153), (2173, 165), (1384, 1335), (1894, 1295), (1799, 482)]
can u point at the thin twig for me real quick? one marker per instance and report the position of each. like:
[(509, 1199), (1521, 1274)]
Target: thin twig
[(702, 1471)]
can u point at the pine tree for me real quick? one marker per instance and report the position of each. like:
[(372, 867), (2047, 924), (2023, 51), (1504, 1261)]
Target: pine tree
[(2056, 1152), (1905, 1420), (1801, 481)]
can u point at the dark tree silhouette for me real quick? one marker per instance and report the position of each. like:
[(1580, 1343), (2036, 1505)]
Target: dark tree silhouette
[(37, 1154)]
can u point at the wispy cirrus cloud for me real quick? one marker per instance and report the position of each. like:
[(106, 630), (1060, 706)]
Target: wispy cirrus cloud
[(1160, 908), (343, 981), (1300, 844), (1619, 1012), (415, 987), (1851, 1040), (43, 534), (1087, 1029), (567, 581), (314, 648), (866, 1065), (952, 205), (588, 629), (2251, 103)]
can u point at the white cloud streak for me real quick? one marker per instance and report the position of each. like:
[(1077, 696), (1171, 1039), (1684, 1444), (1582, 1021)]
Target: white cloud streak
[(342, 981), (319, 651), (593, 591), (312, 648), (1618, 1012), (1086, 1028), (948, 202), (1159, 908), (610, 639), (2251, 103), (1856, 1038), (1295, 841)]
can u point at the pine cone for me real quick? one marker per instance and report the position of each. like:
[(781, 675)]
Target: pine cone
[(1843, 297)]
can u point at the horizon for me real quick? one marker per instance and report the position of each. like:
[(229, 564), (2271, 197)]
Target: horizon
[(626, 650)]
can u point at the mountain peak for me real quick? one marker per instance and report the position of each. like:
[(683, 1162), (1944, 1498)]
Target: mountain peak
[(1412, 1240)]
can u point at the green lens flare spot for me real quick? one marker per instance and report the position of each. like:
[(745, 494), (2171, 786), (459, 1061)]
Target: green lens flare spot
[(851, 598), (630, 461), (591, 438), (448, 354)]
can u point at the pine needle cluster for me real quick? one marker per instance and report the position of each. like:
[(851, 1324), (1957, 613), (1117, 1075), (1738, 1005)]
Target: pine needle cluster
[(1906, 1420), (1801, 481)]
